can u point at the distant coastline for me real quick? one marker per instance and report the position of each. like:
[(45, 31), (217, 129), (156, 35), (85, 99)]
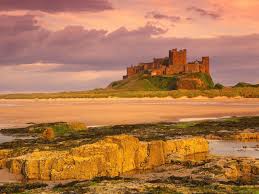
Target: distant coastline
[(227, 92)]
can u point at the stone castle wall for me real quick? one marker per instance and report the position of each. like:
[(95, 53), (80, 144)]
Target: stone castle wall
[(174, 64)]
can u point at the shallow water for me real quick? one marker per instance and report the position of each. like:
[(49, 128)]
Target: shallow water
[(7, 177), (202, 118), (9, 138), (6, 138), (234, 148)]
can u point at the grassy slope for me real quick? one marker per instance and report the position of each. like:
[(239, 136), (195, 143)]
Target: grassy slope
[(145, 87), (246, 92), (149, 83), (133, 83), (244, 84)]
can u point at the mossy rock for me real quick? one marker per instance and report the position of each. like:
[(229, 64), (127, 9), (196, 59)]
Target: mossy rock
[(48, 134), (56, 129)]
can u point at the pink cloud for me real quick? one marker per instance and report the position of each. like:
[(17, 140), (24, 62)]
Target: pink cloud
[(160, 16), (205, 13), (53, 6), (80, 49)]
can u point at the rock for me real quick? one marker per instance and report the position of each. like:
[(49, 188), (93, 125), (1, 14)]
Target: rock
[(189, 83), (194, 81), (111, 156), (15, 166), (48, 134), (232, 172), (213, 137), (247, 135), (187, 146), (155, 154), (235, 169), (4, 154), (255, 168)]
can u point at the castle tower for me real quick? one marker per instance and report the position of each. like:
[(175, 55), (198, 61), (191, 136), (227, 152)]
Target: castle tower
[(206, 64), (130, 71), (178, 57)]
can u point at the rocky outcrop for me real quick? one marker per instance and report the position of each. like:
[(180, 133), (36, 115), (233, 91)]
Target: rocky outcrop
[(247, 136), (236, 169), (189, 83), (109, 157), (194, 81), (233, 169), (4, 155)]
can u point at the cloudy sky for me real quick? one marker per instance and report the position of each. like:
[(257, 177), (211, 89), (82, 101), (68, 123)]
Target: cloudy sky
[(56, 45)]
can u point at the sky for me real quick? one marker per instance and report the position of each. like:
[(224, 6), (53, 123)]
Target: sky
[(66, 45)]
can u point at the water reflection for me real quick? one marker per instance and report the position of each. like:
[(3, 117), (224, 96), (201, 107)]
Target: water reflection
[(234, 148), (6, 138), (9, 138)]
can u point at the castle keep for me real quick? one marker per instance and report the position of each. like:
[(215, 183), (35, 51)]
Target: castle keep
[(175, 63)]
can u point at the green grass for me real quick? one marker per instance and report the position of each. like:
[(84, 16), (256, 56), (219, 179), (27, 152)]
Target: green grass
[(151, 83), (184, 125), (218, 86), (60, 128), (232, 119), (140, 86), (246, 190), (244, 84)]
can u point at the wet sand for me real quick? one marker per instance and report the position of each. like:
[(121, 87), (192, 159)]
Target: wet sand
[(121, 111), (7, 177)]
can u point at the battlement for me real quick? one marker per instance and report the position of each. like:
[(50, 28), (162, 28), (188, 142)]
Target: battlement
[(178, 57), (175, 63)]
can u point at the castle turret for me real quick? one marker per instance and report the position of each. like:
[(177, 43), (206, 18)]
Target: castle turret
[(130, 71), (178, 57), (206, 64)]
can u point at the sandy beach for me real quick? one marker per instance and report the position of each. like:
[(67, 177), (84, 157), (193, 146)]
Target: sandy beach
[(121, 111)]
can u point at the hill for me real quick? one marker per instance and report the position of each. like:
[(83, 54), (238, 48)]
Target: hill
[(244, 84), (149, 83)]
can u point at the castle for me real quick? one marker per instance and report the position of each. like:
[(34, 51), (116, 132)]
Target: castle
[(174, 64)]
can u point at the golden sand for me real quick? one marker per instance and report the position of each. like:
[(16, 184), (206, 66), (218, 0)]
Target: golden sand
[(122, 111)]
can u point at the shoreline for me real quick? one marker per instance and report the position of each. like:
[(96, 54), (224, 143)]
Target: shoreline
[(236, 92), (209, 133), (115, 111), (130, 98)]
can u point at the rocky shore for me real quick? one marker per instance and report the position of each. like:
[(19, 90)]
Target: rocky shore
[(142, 158), (109, 157)]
